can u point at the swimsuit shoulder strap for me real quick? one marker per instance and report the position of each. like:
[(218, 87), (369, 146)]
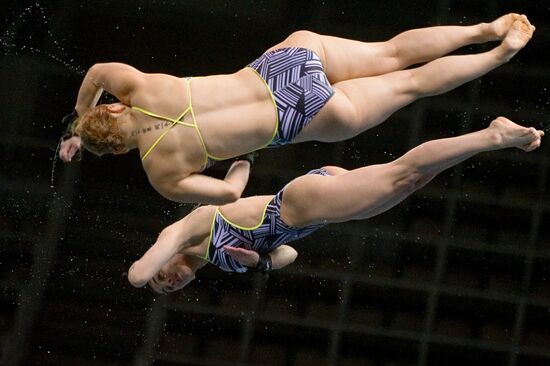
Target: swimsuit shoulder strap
[(164, 118), (174, 121), (211, 238)]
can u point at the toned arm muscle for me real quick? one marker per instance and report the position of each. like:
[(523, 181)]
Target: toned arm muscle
[(116, 78), (171, 240), (204, 189)]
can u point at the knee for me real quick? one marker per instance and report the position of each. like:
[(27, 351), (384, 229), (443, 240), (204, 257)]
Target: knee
[(409, 179), (415, 84), (391, 51)]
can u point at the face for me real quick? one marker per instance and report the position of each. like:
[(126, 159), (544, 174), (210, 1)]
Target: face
[(173, 276)]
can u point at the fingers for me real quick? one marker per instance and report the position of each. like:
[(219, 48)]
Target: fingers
[(72, 150), (69, 148), (243, 256), (233, 249), (235, 253), (64, 153)]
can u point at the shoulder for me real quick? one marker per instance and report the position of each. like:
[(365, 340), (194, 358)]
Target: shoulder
[(202, 211), (112, 67), (200, 219), (192, 229)]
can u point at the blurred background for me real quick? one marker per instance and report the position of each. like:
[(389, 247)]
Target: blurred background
[(457, 274)]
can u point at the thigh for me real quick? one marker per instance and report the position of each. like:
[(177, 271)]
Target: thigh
[(345, 59), (332, 123), (352, 195), (360, 104)]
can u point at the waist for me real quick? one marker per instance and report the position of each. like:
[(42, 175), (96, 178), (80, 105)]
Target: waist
[(236, 114)]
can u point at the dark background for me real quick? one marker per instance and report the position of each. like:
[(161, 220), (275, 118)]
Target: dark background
[(458, 274)]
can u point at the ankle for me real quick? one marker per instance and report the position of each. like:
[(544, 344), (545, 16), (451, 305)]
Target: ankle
[(485, 33), (494, 136)]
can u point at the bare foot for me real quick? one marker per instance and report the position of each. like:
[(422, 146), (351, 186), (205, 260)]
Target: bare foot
[(517, 37), (500, 26), (509, 134)]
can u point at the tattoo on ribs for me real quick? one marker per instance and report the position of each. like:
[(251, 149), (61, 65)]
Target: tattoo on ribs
[(155, 127)]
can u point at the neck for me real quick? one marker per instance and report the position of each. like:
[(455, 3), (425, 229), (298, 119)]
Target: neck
[(128, 127)]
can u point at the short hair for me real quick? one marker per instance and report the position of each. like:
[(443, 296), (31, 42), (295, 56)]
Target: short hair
[(99, 131)]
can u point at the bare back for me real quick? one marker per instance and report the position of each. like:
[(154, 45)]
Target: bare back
[(234, 114)]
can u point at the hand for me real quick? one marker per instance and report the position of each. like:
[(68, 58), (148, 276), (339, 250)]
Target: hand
[(248, 157), (245, 257), (69, 148)]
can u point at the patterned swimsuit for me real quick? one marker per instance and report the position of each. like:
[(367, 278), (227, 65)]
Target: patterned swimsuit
[(263, 238), (299, 86)]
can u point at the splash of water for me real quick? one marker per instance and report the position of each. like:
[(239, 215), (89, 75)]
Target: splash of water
[(33, 14), (54, 164), (36, 16)]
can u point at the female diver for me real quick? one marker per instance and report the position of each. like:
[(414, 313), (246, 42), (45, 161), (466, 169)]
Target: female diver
[(308, 87), (250, 232)]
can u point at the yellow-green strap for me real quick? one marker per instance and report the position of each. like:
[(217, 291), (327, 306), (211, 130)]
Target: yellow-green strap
[(173, 120), (242, 227), (157, 141), (274, 105), (218, 212), (210, 238)]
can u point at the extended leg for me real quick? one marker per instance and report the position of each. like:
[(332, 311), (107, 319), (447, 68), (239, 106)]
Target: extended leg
[(369, 191), (360, 104), (345, 59)]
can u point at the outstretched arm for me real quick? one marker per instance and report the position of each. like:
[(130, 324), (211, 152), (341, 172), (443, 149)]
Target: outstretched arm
[(172, 240), (280, 256), (169, 242), (208, 190)]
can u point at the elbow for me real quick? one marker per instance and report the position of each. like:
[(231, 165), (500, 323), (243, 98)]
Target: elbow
[(222, 195), (292, 255), (172, 193), (95, 68), (231, 195), (136, 276)]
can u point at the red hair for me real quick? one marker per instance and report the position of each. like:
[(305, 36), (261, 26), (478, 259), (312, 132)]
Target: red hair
[(99, 131)]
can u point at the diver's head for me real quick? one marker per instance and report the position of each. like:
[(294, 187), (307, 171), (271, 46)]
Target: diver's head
[(99, 129), (174, 275)]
